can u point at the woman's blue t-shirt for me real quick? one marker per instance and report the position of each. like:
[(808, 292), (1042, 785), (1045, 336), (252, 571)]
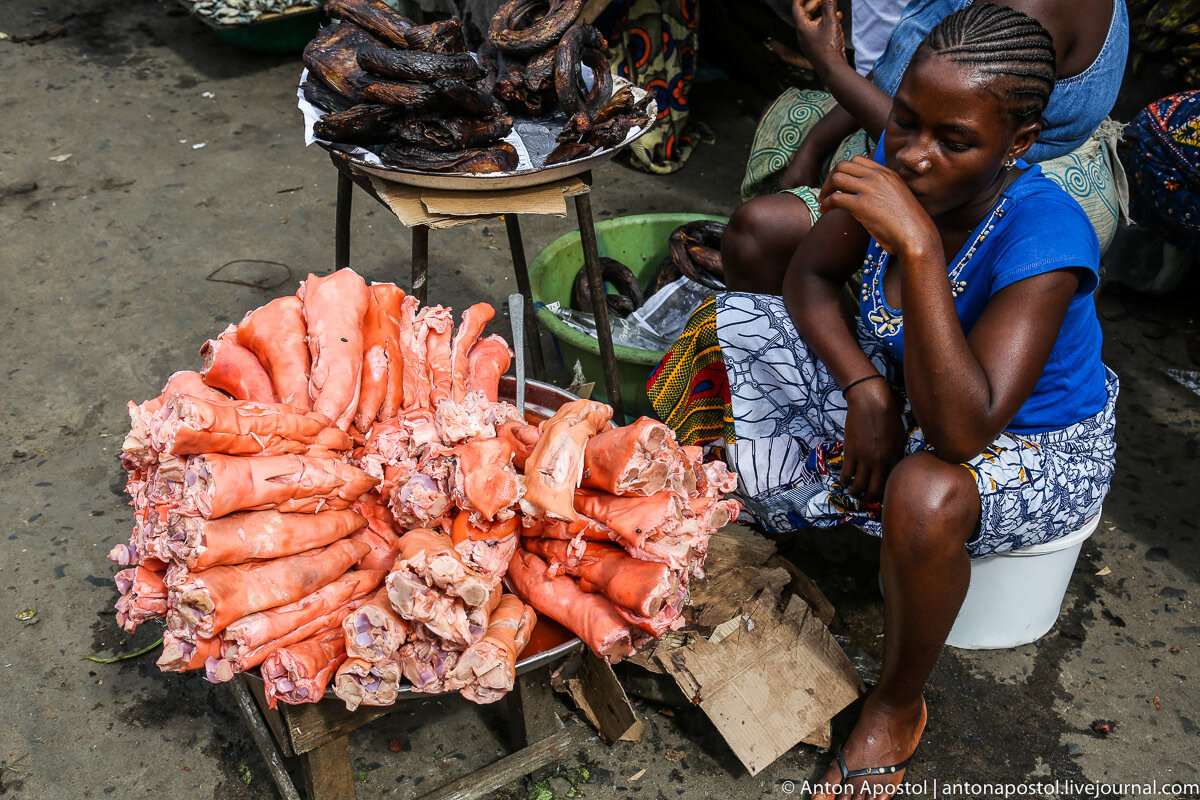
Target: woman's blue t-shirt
[(1035, 228)]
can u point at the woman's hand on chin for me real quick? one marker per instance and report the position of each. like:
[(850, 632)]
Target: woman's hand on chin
[(883, 204)]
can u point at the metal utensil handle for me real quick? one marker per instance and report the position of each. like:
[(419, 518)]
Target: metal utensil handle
[(516, 318)]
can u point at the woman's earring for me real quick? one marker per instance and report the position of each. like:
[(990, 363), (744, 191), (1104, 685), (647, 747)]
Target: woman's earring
[(1012, 162)]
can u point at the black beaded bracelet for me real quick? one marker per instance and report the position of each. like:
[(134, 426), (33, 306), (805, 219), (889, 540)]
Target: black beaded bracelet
[(852, 384)]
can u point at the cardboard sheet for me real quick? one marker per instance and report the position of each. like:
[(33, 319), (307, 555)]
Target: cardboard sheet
[(767, 678), (770, 682), (439, 208)]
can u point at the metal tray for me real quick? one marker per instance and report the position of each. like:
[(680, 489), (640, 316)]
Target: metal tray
[(493, 181), (269, 18)]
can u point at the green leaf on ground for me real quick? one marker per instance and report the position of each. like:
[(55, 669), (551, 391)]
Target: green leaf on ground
[(115, 659)]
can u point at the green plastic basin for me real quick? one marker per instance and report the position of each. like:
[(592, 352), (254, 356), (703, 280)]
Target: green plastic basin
[(640, 243)]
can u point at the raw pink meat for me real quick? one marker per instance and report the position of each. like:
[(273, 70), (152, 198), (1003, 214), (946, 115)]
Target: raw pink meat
[(253, 536), (277, 335), (413, 333), (334, 310), (439, 322), (374, 631), (143, 597), (486, 362), (209, 600), (216, 485), (368, 683), (235, 369), (634, 459), (474, 319), (247, 641), (589, 616), (555, 467), (300, 672), (389, 296), (486, 670)]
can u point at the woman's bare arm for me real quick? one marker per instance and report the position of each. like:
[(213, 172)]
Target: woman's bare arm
[(820, 39), (814, 292), (964, 391)]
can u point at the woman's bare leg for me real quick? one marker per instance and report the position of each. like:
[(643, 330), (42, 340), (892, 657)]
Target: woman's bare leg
[(760, 239), (930, 510)]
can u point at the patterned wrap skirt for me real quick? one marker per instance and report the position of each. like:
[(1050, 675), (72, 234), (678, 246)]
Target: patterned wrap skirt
[(780, 420), (1162, 153)]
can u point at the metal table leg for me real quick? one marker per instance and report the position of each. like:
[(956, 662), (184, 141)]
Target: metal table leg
[(420, 264), (341, 225), (591, 259), (517, 248)]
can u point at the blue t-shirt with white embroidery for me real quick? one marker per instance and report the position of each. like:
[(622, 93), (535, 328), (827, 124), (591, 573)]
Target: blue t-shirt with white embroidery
[(1034, 228)]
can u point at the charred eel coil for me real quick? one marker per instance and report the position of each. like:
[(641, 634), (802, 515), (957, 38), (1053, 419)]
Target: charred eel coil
[(323, 97), (332, 56), (628, 299), (569, 151), (694, 252), (443, 37), (450, 133), (539, 71), (471, 97), (366, 123), (417, 65), (622, 101), (412, 95), (527, 26), (581, 44), (373, 16), (582, 136), (500, 157), (511, 88)]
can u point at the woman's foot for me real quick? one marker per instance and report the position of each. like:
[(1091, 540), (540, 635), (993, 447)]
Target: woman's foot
[(884, 736)]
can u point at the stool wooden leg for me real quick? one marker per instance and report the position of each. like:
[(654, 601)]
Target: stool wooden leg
[(517, 247), (341, 223), (531, 713), (328, 772), (262, 737), (420, 263), (591, 259)]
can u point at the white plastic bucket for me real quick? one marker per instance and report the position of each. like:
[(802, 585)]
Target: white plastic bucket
[(1014, 597)]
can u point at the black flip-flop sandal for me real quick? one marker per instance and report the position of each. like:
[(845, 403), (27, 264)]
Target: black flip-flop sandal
[(850, 774)]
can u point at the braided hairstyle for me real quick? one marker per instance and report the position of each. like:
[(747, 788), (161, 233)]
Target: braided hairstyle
[(1002, 42)]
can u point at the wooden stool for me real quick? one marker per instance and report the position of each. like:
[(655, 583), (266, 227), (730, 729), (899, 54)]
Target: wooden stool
[(318, 733)]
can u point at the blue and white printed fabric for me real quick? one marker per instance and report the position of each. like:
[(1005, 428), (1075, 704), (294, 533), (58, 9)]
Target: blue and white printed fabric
[(790, 424)]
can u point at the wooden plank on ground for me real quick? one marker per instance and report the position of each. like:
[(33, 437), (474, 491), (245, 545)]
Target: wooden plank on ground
[(525, 761), (267, 743)]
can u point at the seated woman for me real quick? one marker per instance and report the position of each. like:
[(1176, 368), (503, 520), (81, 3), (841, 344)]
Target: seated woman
[(804, 130), (962, 408)]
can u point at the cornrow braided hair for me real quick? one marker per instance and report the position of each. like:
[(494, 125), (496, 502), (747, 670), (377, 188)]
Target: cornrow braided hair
[(1000, 41)]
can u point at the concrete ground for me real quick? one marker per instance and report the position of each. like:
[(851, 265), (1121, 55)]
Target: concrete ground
[(139, 154)]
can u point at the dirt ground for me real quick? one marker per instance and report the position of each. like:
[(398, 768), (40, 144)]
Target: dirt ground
[(140, 154)]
